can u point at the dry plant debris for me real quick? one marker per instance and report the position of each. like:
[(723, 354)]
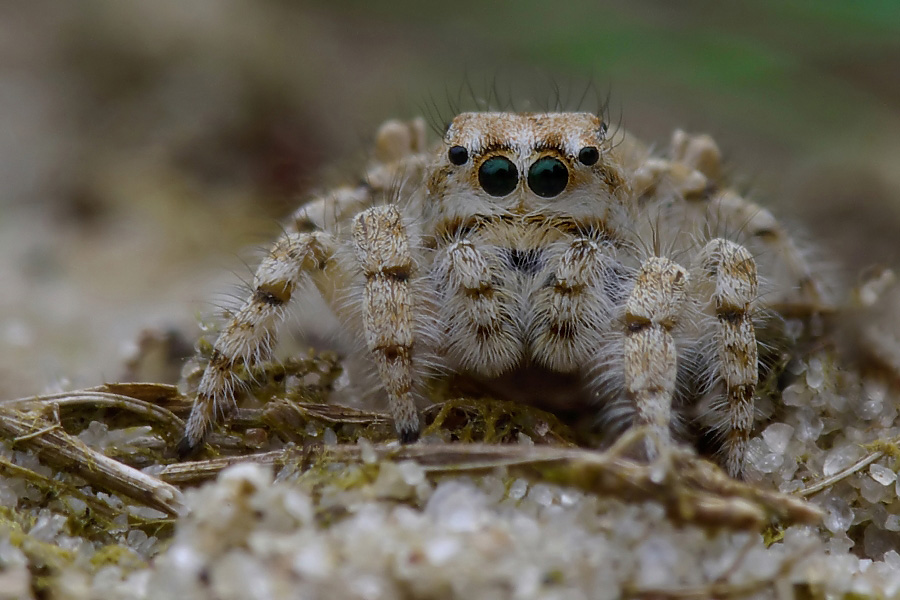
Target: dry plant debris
[(100, 499)]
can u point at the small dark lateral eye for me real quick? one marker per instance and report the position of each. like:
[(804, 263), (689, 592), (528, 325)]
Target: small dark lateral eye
[(458, 155), (547, 177), (498, 176), (588, 155)]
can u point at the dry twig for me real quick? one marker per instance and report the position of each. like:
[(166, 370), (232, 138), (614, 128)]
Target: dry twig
[(694, 491), (66, 452)]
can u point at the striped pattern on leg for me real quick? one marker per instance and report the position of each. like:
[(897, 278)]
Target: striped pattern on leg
[(571, 312), (382, 248), (650, 356), (736, 288), (249, 337), (482, 330)]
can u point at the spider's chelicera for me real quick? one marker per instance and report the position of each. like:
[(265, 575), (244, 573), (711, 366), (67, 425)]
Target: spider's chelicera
[(532, 254)]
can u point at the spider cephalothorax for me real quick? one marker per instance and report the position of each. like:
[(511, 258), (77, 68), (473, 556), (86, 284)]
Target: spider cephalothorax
[(532, 254)]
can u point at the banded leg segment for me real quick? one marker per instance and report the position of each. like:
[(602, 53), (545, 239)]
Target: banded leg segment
[(801, 293), (250, 335), (651, 312), (736, 288), (478, 310), (382, 248), (571, 313)]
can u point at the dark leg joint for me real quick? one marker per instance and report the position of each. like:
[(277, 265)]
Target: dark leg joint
[(185, 450), (408, 436)]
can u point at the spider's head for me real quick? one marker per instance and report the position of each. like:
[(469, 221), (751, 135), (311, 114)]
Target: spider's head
[(525, 163)]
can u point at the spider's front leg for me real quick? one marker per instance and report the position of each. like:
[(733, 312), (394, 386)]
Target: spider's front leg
[(382, 248), (479, 313), (573, 308), (732, 271), (650, 357), (249, 337)]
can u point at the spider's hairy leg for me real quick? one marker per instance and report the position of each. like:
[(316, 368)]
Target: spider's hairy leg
[(768, 240), (398, 158), (733, 270), (250, 335), (479, 313), (324, 212), (650, 357), (382, 248), (572, 309)]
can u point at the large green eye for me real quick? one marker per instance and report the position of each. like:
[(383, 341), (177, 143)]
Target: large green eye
[(547, 177), (498, 176)]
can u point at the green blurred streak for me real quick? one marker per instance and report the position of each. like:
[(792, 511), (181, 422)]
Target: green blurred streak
[(779, 68)]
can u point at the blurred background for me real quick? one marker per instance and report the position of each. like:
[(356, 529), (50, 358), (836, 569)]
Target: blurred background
[(144, 146)]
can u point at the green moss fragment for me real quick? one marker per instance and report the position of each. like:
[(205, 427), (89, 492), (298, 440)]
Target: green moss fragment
[(118, 555), (773, 534)]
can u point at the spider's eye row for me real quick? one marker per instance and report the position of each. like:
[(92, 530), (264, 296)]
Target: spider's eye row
[(547, 177), (498, 176), (458, 155), (588, 155)]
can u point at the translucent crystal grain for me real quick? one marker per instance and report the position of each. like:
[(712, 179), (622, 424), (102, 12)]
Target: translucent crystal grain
[(837, 402), (137, 584), (518, 489), (9, 497), (314, 560), (839, 545), (77, 505), (411, 472), (298, 505), (457, 506), (878, 541), (769, 463), (329, 437), (892, 523), (441, 549), (95, 435), (838, 515), (815, 374), (796, 395), (367, 451), (541, 494), (875, 389), (877, 512), (107, 578), (868, 409), (145, 512), (777, 436), (840, 458), (882, 474), (657, 557), (871, 490), (48, 526), (791, 486), (390, 483), (810, 427), (892, 560)]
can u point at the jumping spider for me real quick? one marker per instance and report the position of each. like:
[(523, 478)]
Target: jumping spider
[(546, 259)]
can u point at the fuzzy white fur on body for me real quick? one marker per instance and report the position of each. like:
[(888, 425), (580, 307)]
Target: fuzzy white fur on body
[(529, 243)]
